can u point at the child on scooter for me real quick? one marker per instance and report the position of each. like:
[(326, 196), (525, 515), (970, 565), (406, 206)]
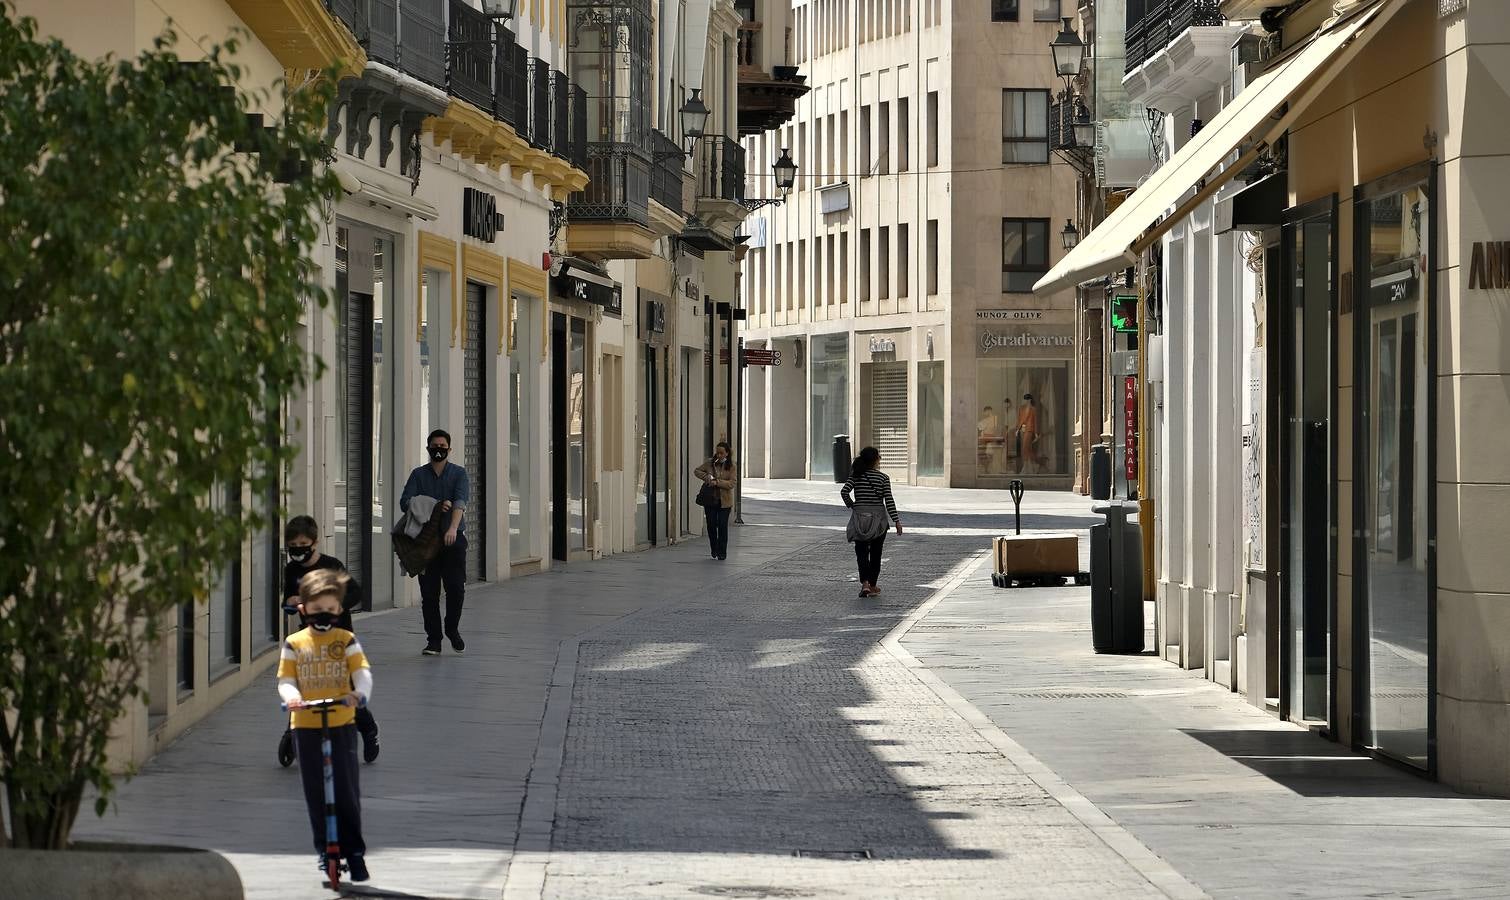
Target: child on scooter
[(325, 662), (301, 537)]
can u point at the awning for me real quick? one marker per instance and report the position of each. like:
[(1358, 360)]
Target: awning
[(578, 283), (1118, 241)]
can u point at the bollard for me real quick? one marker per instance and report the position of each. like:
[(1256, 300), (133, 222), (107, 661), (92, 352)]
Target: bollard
[(1016, 489)]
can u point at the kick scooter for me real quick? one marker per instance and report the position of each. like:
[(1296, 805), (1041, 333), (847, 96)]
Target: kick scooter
[(333, 867)]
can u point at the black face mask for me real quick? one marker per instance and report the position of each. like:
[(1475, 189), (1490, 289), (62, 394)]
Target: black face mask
[(438, 453), (322, 621), (300, 554)]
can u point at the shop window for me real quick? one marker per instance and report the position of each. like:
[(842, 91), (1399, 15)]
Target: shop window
[(933, 128), (1024, 253), (1024, 126), (930, 453), (829, 400), (1023, 427)]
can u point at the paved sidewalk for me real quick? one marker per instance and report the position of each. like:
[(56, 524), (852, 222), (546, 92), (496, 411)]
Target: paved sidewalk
[(1241, 803), (441, 806)]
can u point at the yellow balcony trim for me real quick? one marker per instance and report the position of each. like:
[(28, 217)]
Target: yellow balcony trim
[(484, 267), (611, 240), (435, 252), (301, 34), (530, 279)]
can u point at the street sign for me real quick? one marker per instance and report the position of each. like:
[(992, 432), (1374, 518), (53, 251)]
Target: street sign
[(1130, 427), (757, 357)]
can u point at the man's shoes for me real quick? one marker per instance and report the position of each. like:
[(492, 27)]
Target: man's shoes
[(357, 867), (457, 644), (722, 557), (432, 650), (370, 748)]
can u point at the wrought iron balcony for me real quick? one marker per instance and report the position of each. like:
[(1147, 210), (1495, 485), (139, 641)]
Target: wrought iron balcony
[(1061, 135), (560, 115), (518, 71), (578, 153), (666, 176), (378, 24), (618, 187), (540, 105), (1153, 25), (469, 56), (722, 173)]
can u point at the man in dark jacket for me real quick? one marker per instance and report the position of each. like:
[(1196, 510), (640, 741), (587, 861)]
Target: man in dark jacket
[(447, 483)]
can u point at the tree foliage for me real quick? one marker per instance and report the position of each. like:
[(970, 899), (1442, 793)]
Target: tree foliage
[(152, 273)]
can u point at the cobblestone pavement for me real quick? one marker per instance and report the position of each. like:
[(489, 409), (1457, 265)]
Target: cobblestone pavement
[(757, 741)]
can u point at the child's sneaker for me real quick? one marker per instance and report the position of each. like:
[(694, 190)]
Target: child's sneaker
[(357, 866)]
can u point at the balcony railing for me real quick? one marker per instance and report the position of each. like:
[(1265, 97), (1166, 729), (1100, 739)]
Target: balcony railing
[(1061, 135), (722, 174), (540, 105), (560, 115), (469, 57), (666, 176), (577, 155), (520, 70), (1153, 27), (618, 187), (422, 40), (749, 42)]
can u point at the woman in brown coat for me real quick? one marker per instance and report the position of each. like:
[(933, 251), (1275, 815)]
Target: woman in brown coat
[(719, 472)]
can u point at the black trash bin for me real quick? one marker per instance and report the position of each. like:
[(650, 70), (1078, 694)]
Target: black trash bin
[(1117, 579), (1101, 472), (844, 458)]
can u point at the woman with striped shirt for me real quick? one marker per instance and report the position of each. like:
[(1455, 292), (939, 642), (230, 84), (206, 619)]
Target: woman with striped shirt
[(868, 486)]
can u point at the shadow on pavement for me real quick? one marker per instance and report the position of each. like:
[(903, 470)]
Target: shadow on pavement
[(797, 512), (1314, 767)]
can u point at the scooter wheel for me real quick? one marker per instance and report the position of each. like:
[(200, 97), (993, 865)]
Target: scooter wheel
[(286, 749)]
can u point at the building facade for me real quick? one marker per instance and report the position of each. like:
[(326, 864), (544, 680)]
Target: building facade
[(1324, 370), (525, 253), (896, 279)]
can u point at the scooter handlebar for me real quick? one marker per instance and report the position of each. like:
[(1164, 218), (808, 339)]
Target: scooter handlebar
[(316, 704)]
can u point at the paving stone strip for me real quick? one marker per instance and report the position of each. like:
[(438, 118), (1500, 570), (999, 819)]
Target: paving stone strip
[(756, 740)]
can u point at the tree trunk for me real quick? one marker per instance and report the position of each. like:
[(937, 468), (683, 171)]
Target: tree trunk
[(49, 828)]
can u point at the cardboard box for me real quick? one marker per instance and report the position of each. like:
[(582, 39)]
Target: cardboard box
[(1022, 555)]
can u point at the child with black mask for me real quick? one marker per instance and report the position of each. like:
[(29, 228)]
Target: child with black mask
[(301, 538)]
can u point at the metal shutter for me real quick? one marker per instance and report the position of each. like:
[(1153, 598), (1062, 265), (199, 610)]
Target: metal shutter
[(888, 413), (356, 340), (474, 448)]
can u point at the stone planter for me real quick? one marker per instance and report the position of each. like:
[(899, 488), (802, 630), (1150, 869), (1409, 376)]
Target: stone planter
[(91, 871)]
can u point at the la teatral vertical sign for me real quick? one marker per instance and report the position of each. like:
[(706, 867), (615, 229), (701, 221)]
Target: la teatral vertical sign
[(1130, 427)]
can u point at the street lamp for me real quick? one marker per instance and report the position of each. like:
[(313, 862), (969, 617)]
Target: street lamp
[(500, 9), (1084, 128), (786, 176), (1070, 235), (1068, 50), (786, 171), (694, 113)]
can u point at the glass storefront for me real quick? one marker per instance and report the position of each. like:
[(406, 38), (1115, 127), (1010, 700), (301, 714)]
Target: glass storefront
[(1307, 516), (576, 425), (1392, 335), (1024, 425), (930, 439), (523, 365), (829, 389)]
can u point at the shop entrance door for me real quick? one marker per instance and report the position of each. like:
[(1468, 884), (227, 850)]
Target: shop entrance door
[(558, 417), (568, 415), (887, 412), (1395, 421), (1307, 505), (475, 431)]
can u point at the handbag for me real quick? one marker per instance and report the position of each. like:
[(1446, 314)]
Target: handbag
[(708, 497), (866, 522)]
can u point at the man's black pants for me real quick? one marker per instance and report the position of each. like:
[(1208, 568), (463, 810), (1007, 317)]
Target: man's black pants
[(449, 567), (868, 555), (718, 530), (343, 758)]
